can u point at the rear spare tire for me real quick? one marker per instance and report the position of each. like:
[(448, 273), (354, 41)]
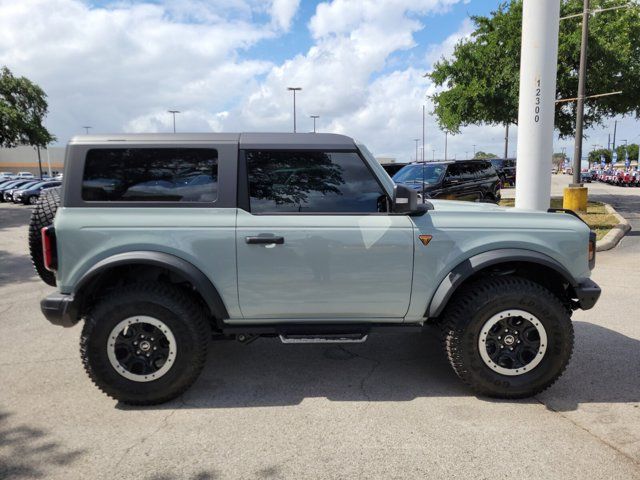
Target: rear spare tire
[(42, 216)]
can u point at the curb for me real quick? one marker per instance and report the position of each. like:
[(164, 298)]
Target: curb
[(614, 236)]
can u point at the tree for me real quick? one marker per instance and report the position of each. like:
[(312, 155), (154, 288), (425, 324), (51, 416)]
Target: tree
[(481, 80), (594, 155), (558, 160), (633, 152), (484, 156), (23, 106)]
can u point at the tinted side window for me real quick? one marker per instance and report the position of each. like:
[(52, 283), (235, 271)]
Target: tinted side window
[(453, 172), (151, 174), (290, 181)]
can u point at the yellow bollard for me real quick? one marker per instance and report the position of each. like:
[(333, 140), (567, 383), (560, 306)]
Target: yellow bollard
[(575, 198)]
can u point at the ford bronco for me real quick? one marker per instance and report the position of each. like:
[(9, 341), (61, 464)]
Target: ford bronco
[(157, 242)]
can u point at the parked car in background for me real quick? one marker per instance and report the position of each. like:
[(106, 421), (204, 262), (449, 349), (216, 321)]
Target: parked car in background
[(6, 176), (506, 169), (8, 193), (471, 180), (30, 195), (12, 184), (393, 168), (25, 175)]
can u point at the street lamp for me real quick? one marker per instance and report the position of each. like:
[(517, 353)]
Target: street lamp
[(416, 140), (314, 121), (294, 90), (173, 112), (86, 129)]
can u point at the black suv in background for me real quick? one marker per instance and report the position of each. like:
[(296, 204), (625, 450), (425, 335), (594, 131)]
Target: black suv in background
[(472, 180), (506, 168)]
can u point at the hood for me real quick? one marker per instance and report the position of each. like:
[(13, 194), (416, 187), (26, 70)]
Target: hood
[(460, 206)]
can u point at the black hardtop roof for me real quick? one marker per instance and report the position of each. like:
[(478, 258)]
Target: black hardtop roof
[(245, 140), (447, 162)]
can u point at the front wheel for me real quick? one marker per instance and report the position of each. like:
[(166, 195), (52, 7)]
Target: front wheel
[(507, 337), (145, 344)]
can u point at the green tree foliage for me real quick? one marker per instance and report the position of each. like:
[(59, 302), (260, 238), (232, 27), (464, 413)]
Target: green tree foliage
[(481, 80), (633, 152), (594, 155), (23, 106), (484, 155)]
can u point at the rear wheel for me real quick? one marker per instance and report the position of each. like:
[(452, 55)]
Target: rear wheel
[(42, 216), (145, 344), (507, 337)]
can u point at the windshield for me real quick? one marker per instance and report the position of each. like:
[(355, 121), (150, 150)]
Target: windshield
[(416, 173)]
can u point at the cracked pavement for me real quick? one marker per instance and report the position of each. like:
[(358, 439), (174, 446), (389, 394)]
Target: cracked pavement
[(388, 408)]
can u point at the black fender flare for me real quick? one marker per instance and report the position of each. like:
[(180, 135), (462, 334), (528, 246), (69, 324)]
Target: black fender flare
[(474, 264), (159, 259)]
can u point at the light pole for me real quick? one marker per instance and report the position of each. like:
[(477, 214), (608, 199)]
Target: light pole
[(416, 140), (294, 90), (423, 126), (474, 151), (173, 112), (86, 129), (446, 140), (314, 121)]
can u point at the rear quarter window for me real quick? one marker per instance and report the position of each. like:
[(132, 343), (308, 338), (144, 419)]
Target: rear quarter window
[(150, 175)]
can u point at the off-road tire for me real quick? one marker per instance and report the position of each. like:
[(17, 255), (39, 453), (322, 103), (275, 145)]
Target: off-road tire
[(474, 304), (42, 216), (176, 308)]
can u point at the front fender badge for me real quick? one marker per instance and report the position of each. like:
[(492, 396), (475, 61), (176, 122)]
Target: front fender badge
[(425, 239)]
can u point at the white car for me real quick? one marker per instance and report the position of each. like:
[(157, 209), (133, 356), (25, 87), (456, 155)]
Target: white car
[(25, 175)]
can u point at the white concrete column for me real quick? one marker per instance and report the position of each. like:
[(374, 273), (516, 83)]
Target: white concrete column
[(538, 69)]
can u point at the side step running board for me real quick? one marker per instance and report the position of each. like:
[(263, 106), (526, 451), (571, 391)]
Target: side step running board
[(327, 338)]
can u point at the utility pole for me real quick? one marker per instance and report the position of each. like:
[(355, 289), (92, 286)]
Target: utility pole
[(609, 143), (294, 90), (173, 112), (582, 74), (86, 129), (615, 129), (314, 121), (446, 141), (538, 71), (506, 141), (416, 140)]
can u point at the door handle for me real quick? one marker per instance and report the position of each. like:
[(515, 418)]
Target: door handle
[(264, 240)]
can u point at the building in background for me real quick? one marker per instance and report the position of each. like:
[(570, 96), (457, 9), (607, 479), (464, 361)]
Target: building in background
[(25, 159)]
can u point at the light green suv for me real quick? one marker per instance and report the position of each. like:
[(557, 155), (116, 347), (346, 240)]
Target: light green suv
[(161, 241)]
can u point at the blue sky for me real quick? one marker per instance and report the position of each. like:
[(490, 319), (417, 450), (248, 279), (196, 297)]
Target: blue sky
[(226, 64)]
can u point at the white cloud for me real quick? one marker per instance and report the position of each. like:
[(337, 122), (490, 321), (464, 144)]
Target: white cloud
[(106, 67), (283, 11), (445, 49)]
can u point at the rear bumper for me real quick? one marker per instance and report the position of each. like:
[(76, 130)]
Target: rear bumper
[(588, 293), (60, 309)]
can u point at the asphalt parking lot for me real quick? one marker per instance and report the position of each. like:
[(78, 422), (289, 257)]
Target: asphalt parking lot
[(389, 408)]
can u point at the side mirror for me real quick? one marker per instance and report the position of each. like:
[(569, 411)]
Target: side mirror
[(405, 199)]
